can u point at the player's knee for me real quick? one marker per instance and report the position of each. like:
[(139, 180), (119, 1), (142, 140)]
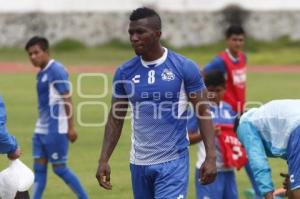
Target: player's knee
[(60, 169), (39, 168)]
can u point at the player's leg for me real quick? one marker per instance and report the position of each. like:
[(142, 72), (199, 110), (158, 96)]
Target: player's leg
[(293, 160), (171, 179), (22, 195), (57, 154), (229, 182), (39, 166), (70, 179), (142, 182)]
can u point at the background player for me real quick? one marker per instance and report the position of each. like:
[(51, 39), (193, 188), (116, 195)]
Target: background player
[(8, 144), (232, 63), (272, 130), (223, 116), (55, 126)]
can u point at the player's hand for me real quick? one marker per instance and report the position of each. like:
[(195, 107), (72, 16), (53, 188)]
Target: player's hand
[(208, 171), (103, 176), (286, 182), (72, 135), (14, 155), (269, 195)]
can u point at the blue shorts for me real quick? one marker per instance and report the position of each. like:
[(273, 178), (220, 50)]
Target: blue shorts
[(53, 147), (167, 180), (293, 158), (224, 186)]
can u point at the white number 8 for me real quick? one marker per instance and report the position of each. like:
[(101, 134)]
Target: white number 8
[(151, 77)]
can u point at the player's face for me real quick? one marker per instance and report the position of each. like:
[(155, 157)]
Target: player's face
[(143, 37), (235, 43), (216, 93), (38, 57)]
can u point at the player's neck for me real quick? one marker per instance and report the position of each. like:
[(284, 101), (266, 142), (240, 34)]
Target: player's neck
[(43, 65), (154, 54), (234, 54)]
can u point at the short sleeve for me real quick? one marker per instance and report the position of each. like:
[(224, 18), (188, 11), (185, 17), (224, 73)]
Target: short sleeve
[(118, 85), (193, 80), (61, 80), (217, 64)]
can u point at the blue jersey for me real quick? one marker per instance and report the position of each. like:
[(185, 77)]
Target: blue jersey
[(52, 82), (157, 93), (222, 114), (8, 143)]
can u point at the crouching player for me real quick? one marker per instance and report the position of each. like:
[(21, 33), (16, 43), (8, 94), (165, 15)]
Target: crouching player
[(272, 130), (230, 153)]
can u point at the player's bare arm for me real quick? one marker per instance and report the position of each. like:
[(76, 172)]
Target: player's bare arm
[(195, 137), (72, 134), (112, 134), (200, 104)]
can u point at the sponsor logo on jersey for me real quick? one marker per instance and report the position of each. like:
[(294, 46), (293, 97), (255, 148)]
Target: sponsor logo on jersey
[(54, 156), (136, 79)]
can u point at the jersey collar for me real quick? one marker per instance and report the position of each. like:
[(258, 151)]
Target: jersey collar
[(48, 65), (235, 60), (157, 62)]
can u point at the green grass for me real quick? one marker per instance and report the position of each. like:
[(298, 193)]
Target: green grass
[(18, 91), (70, 52)]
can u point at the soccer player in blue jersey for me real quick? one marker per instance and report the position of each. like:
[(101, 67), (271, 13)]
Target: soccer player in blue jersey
[(55, 126), (157, 83), (272, 130), (225, 184), (8, 144)]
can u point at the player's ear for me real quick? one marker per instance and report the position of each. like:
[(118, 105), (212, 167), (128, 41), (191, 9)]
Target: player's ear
[(158, 34)]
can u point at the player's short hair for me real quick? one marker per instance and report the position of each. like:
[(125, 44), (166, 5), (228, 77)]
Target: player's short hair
[(37, 40), (214, 78), (144, 12), (234, 30)]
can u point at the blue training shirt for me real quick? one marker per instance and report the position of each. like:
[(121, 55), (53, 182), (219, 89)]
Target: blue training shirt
[(157, 93), (222, 114), (52, 82), (8, 143), (265, 131)]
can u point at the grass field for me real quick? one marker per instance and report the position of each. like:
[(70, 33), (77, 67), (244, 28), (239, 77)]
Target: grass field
[(70, 52), (18, 91)]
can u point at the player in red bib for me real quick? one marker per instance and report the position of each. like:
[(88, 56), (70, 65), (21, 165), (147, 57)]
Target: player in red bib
[(232, 63)]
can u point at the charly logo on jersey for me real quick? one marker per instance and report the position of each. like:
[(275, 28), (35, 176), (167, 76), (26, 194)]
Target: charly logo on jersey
[(54, 156), (136, 79), (167, 75), (44, 78)]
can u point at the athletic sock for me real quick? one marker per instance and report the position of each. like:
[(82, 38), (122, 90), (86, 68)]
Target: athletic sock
[(40, 178), (71, 180)]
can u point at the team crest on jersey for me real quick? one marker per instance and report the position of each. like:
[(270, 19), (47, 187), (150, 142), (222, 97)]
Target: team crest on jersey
[(167, 75), (44, 78)]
